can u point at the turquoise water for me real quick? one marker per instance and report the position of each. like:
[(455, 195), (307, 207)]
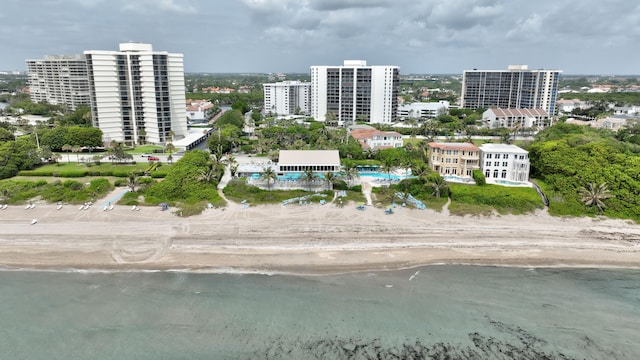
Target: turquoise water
[(453, 312)]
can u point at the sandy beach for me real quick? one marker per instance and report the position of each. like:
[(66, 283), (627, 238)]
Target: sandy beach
[(310, 239)]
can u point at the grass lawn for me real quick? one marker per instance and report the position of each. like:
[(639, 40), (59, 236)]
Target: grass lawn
[(481, 200), (144, 149)]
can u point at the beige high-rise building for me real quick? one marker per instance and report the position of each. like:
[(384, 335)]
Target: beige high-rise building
[(59, 80)]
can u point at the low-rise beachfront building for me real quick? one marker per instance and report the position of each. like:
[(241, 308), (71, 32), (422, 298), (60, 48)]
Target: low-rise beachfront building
[(423, 110), (504, 164), (520, 118), (297, 161), (375, 139), (454, 159)]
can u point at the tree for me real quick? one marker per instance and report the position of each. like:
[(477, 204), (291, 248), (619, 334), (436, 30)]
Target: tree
[(6, 194), (170, 149), (329, 177), (209, 172), (142, 136), (308, 176), (593, 195), (438, 185), (132, 181), (56, 158), (388, 165), (66, 148), (269, 174), (350, 172), (76, 149)]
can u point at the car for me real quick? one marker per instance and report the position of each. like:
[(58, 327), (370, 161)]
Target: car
[(145, 155), (153, 158)]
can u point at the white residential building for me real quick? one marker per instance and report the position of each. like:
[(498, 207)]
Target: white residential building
[(517, 87), (502, 162), (137, 94), (516, 118), (197, 110), (59, 80), (423, 110), (355, 92), (287, 98), (374, 139)]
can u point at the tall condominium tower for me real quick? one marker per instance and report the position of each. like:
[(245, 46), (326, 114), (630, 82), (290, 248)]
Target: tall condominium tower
[(354, 92), (137, 94), (287, 98), (59, 80), (518, 87)]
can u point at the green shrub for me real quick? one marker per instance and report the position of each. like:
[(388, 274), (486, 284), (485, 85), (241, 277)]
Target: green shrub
[(356, 188), (513, 200), (478, 177)]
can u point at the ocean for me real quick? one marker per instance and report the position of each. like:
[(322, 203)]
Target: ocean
[(433, 312)]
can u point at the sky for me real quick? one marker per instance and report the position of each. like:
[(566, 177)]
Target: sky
[(288, 36)]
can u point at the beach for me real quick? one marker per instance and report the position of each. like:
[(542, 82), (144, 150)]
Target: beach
[(308, 239)]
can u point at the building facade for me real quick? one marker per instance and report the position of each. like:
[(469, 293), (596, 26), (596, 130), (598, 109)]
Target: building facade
[(454, 159), (137, 94), (59, 80), (374, 139), (296, 161), (287, 98), (197, 110), (518, 87), (354, 92), (516, 118), (423, 110), (502, 162)]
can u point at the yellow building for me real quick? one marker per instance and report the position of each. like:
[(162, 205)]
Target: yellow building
[(454, 159)]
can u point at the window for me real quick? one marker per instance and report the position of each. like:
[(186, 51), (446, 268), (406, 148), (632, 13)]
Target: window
[(505, 164), (495, 174), (455, 161), (488, 156), (504, 174), (448, 161), (487, 173), (488, 163), (497, 163), (505, 156)]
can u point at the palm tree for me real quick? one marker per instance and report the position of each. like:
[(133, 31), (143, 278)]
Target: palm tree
[(419, 169), (169, 148), (308, 176), (76, 149), (350, 172), (66, 148), (388, 165), (593, 195), (329, 177), (132, 181), (438, 185), (209, 172), (233, 164), (269, 174), (56, 157)]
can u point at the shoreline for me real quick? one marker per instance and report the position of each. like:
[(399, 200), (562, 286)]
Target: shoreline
[(305, 240)]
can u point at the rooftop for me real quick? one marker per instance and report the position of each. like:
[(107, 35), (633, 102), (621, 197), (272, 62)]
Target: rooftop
[(306, 157), (453, 146), (503, 148), (518, 112)]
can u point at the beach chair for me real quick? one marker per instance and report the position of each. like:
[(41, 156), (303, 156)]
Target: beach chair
[(34, 221), (59, 207)]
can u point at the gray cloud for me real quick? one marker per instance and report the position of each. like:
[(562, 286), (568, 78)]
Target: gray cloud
[(441, 36)]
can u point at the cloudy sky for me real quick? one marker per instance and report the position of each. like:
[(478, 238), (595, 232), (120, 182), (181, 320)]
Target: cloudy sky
[(420, 36)]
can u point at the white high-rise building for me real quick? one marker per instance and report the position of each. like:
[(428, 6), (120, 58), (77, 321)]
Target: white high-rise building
[(59, 80), (137, 94), (517, 88), (355, 92), (287, 98)]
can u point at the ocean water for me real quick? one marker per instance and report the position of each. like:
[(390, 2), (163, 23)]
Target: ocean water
[(434, 312)]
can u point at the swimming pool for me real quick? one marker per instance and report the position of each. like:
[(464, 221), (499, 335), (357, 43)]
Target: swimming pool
[(459, 179)]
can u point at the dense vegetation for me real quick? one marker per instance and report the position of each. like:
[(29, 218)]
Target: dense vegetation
[(68, 191), (187, 185), (566, 158)]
